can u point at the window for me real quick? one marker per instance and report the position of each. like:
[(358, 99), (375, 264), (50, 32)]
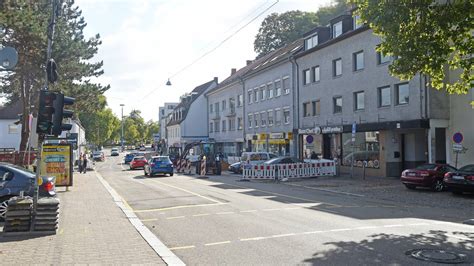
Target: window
[(216, 127), (277, 88), (311, 42), (211, 127), (383, 58), (402, 93), (337, 29), (306, 77), (359, 101), (270, 90), (306, 110), (249, 120), (263, 93), (384, 96), (286, 116), (256, 95), (232, 105), (286, 85), (358, 59), (270, 117), (224, 125), (224, 105), (337, 67), (216, 107), (250, 96), (211, 108), (12, 129), (316, 74), (240, 100), (357, 22), (231, 124), (256, 117), (316, 106), (240, 123), (263, 118), (277, 117), (337, 103)]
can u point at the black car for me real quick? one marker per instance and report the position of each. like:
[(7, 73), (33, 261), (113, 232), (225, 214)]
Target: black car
[(462, 180), (236, 168), (14, 179)]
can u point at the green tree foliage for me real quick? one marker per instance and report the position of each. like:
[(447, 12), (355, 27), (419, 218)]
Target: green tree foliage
[(427, 37), (100, 126), (278, 30), (152, 128)]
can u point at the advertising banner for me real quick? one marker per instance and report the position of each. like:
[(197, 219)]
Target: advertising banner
[(56, 160)]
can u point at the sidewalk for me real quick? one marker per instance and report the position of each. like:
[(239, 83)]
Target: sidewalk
[(92, 229)]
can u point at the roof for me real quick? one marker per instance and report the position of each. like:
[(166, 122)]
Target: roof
[(185, 104), (11, 111)]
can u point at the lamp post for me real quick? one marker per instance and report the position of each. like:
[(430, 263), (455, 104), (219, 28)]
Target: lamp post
[(121, 137)]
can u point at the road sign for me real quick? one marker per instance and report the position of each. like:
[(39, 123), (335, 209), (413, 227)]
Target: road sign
[(309, 139), (354, 128), (458, 137), (457, 147)]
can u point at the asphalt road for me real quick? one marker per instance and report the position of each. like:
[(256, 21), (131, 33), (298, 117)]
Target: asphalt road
[(223, 221)]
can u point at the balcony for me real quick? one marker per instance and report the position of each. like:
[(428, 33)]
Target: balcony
[(230, 112), (215, 116)]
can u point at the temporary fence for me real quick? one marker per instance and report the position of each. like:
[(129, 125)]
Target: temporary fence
[(287, 171), (17, 157)]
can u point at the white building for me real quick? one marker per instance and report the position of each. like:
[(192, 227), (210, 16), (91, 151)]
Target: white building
[(164, 112)]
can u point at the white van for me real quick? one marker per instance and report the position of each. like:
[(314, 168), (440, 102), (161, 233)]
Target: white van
[(253, 158)]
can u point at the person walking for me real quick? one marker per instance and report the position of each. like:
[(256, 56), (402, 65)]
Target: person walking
[(79, 162), (84, 164)]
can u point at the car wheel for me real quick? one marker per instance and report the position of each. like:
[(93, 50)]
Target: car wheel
[(438, 186), (3, 207), (171, 174), (409, 186)]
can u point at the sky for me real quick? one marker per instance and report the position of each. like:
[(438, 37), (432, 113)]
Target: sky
[(145, 42)]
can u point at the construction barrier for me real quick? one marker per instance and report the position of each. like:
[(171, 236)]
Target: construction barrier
[(203, 166), (188, 167), (287, 171)]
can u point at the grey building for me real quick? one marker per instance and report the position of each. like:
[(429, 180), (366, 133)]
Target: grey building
[(343, 80), (269, 110)]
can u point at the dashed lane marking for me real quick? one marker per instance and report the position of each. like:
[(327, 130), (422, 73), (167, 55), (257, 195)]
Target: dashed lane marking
[(225, 213), (249, 211), (188, 191), (201, 214), (175, 217), (269, 210), (217, 243), (283, 235)]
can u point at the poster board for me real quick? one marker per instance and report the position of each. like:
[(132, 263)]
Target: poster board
[(56, 160)]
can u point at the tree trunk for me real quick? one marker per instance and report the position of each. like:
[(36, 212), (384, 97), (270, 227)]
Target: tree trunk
[(25, 130)]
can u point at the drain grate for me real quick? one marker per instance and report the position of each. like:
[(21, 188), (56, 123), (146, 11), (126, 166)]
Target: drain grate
[(437, 255)]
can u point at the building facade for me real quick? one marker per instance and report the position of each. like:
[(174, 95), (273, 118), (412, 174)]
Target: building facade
[(163, 114), (351, 109)]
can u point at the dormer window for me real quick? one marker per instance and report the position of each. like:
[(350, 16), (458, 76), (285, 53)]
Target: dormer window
[(357, 22), (311, 42), (336, 29)]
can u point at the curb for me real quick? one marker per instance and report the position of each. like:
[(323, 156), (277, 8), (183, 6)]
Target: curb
[(161, 250)]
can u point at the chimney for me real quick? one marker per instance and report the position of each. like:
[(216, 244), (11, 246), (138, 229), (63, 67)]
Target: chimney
[(216, 79), (232, 71), (249, 62)]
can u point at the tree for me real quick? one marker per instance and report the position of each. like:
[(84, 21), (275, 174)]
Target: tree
[(100, 126), (426, 37), (278, 30), (152, 128)]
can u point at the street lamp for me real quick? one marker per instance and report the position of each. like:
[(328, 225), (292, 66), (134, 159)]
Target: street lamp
[(121, 138)]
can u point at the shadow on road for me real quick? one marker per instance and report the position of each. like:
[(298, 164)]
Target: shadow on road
[(378, 249)]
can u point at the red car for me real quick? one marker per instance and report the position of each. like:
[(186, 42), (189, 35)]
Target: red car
[(426, 175), (462, 180), (138, 162)]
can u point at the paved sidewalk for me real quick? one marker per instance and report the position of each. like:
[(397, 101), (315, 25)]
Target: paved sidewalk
[(92, 229)]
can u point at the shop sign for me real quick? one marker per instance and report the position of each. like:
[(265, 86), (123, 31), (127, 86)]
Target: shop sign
[(316, 130), (262, 136), (57, 161), (289, 135), (276, 135), (329, 130)]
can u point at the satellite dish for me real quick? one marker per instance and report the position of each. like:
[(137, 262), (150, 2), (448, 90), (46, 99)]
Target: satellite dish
[(8, 57)]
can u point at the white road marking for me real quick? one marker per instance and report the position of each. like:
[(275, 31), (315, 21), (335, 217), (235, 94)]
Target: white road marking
[(179, 207), (365, 227), (283, 235), (249, 211), (269, 210), (201, 214), (340, 230), (253, 238), (217, 243), (175, 217), (327, 190), (149, 220), (393, 225), (185, 190), (225, 213), (183, 247), (460, 237)]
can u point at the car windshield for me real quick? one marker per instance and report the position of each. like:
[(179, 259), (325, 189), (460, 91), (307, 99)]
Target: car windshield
[(426, 167), (467, 168), (138, 158), (23, 170), (161, 159)]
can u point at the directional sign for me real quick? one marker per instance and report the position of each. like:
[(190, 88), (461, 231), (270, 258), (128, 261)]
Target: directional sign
[(458, 137)]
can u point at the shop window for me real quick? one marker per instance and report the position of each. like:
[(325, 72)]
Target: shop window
[(359, 100), (402, 93), (337, 103), (316, 106), (384, 96), (365, 149)]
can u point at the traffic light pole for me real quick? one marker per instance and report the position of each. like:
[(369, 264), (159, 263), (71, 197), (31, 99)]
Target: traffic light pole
[(36, 183)]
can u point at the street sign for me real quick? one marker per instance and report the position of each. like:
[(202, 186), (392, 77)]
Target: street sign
[(458, 137), (309, 139), (457, 147), (353, 128)]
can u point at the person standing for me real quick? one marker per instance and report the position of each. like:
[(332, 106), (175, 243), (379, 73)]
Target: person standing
[(79, 162), (84, 164)]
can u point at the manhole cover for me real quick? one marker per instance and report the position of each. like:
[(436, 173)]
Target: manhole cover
[(437, 255)]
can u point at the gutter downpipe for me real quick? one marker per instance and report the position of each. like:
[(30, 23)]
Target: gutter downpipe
[(296, 105)]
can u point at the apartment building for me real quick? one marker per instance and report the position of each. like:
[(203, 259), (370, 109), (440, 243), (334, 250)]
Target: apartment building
[(163, 113)]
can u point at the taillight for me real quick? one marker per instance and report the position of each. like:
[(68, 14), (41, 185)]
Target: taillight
[(470, 177), (152, 164), (447, 175), (49, 186)]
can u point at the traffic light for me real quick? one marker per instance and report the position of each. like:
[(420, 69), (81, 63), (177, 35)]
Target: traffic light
[(60, 113), (45, 112), (51, 71)]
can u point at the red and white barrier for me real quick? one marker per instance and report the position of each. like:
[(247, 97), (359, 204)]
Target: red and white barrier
[(287, 171)]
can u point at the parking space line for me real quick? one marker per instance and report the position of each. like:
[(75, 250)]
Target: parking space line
[(217, 243), (179, 207), (183, 247)]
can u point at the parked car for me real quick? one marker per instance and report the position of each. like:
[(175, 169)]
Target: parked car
[(426, 175), (159, 165), (98, 156), (236, 167), (129, 157), (114, 152), (256, 157), (138, 162), (461, 180), (284, 160), (14, 179)]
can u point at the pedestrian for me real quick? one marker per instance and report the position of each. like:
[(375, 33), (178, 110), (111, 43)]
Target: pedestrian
[(79, 162), (314, 156), (84, 164)]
